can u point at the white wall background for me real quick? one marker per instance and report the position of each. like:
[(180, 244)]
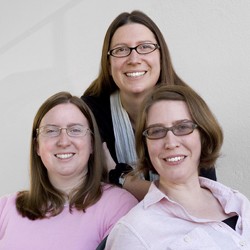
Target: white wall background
[(48, 46)]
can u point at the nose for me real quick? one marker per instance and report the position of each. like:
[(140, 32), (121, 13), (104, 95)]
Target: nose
[(171, 141), (134, 57), (63, 138)]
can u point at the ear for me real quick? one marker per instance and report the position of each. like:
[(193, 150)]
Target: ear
[(36, 146)]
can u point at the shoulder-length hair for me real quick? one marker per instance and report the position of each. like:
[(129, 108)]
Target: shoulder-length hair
[(210, 131), (104, 83), (43, 199)]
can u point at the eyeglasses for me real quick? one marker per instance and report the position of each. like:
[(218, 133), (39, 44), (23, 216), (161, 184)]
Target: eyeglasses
[(142, 49), (54, 131), (158, 132)]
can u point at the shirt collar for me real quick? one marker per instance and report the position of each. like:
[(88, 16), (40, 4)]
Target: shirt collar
[(220, 191), (154, 195)]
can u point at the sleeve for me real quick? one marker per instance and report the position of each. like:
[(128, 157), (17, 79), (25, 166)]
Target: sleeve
[(123, 237), (3, 203), (119, 203)]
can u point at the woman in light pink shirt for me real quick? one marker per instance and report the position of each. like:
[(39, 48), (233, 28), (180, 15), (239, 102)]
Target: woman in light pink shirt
[(177, 135), (68, 204)]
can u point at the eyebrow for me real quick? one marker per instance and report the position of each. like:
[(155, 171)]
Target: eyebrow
[(163, 125), (69, 125), (126, 45)]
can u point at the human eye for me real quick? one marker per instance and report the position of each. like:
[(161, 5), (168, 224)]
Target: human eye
[(183, 128), (146, 47), (75, 130), (50, 130), (156, 132), (120, 51)]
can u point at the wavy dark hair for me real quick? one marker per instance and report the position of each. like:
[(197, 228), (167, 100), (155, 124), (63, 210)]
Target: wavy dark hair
[(210, 131), (43, 199), (104, 83)]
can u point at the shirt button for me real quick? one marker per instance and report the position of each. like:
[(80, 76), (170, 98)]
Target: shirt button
[(242, 243), (187, 239)]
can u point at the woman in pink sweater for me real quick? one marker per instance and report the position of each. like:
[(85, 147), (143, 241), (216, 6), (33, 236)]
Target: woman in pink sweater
[(69, 205)]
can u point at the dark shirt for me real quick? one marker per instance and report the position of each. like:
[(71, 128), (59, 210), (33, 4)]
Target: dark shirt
[(100, 107)]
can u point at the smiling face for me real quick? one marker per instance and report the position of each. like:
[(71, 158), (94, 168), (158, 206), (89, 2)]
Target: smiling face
[(65, 157), (135, 73), (175, 158)]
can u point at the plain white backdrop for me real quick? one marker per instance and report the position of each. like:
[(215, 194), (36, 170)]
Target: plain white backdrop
[(49, 46)]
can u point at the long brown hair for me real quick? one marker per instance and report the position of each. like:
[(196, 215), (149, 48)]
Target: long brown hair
[(104, 83), (210, 131), (43, 199)]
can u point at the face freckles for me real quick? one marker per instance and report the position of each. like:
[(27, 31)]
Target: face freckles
[(135, 73), (64, 156), (175, 158)]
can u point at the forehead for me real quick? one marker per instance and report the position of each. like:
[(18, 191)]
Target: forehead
[(168, 111), (64, 114), (132, 33)]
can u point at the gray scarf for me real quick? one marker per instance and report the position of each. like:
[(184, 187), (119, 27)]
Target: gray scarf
[(124, 134), (123, 131)]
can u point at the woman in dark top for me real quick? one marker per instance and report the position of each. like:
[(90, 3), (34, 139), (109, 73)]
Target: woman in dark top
[(135, 58)]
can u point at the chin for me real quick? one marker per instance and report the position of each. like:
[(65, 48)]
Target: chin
[(139, 91)]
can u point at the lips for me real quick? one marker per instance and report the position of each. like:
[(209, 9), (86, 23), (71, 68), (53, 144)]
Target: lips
[(64, 156)]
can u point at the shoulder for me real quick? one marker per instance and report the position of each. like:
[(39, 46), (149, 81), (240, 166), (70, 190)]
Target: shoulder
[(115, 193), (100, 106), (8, 198), (7, 202), (116, 201), (145, 209), (96, 101), (222, 191), (113, 204), (134, 211), (129, 231)]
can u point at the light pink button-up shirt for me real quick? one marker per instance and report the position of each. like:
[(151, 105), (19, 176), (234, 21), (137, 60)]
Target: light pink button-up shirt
[(159, 223)]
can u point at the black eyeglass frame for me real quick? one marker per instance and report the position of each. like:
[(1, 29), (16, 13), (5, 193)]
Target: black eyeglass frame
[(156, 46)]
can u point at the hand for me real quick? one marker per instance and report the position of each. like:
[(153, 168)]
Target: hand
[(109, 160)]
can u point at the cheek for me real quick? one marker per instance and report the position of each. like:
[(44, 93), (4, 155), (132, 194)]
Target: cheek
[(115, 66), (153, 149), (195, 145), (156, 61), (85, 147), (43, 148)]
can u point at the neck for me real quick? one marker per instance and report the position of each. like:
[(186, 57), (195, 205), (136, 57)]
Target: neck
[(67, 184), (132, 103), (196, 200), (182, 192)]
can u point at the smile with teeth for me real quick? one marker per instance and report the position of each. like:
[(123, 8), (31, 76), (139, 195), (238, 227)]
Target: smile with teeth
[(64, 156), (136, 74), (175, 159)]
